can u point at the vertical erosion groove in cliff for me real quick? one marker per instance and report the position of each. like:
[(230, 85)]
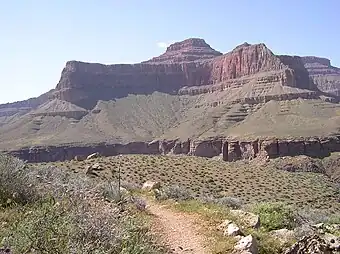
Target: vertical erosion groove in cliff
[(228, 150)]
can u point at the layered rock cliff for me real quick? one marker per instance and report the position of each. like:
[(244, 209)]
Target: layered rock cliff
[(323, 74), (188, 64), (227, 150)]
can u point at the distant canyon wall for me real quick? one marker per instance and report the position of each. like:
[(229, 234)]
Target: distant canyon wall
[(84, 84), (228, 150)]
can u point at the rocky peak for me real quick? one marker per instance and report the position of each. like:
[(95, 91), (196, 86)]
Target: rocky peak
[(193, 49), (243, 45), (188, 44)]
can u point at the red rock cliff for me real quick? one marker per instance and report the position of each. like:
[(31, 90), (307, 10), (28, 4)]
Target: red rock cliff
[(186, 64)]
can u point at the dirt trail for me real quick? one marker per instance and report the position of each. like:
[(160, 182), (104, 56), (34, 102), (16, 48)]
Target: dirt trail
[(178, 231)]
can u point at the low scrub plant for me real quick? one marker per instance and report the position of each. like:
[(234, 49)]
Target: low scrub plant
[(228, 202), (14, 184), (275, 215), (173, 192)]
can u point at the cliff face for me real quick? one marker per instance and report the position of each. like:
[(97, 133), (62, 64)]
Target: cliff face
[(227, 150), (191, 63), (323, 74)]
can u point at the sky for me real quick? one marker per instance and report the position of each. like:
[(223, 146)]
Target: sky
[(37, 37)]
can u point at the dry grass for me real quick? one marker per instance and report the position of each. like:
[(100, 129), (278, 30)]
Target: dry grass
[(249, 182)]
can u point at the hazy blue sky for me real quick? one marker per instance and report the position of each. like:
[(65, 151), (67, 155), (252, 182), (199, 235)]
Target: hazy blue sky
[(39, 36)]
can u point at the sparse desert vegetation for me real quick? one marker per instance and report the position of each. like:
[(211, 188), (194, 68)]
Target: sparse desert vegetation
[(51, 210), (53, 207), (205, 178)]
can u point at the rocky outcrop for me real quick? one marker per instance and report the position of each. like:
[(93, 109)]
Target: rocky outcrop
[(59, 108), (313, 244), (229, 150), (323, 74)]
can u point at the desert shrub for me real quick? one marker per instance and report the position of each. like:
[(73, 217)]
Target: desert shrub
[(267, 244), (140, 204), (110, 192), (130, 186), (229, 202), (173, 192), (311, 216), (275, 215), (14, 184), (44, 227), (54, 181), (333, 219)]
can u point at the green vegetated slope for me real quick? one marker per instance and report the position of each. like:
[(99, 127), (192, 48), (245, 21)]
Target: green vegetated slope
[(159, 115), (249, 182)]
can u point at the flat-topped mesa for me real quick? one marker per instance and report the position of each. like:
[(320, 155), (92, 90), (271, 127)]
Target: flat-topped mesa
[(192, 49), (189, 64)]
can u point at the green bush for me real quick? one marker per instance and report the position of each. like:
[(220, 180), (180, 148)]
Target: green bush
[(267, 244), (275, 215), (43, 227)]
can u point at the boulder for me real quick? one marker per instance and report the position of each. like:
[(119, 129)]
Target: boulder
[(79, 158), (89, 171), (151, 185), (313, 244), (249, 219), (229, 228), (247, 245), (97, 166), (333, 241), (224, 225), (318, 226), (232, 230), (332, 227), (92, 156)]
